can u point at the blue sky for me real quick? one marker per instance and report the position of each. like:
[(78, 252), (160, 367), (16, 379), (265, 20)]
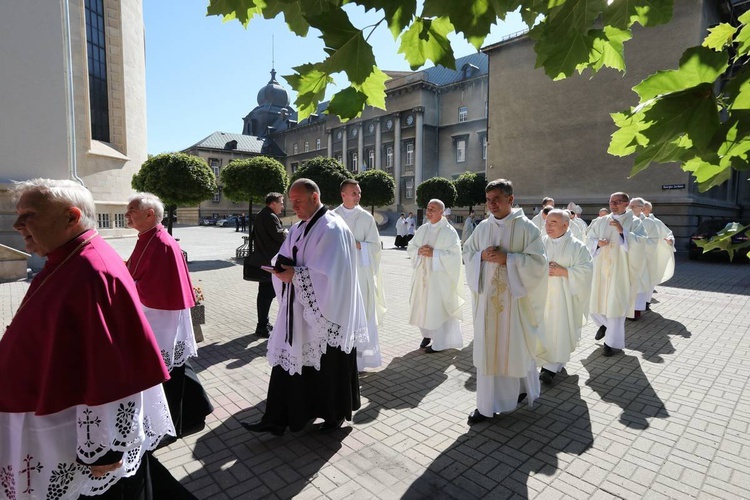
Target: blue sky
[(203, 75)]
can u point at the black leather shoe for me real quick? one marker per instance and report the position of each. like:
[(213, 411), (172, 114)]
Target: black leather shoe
[(521, 397), (261, 426), (329, 427), (600, 332), (430, 350), (263, 331), (546, 376), (475, 417), (607, 351), (425, 342)]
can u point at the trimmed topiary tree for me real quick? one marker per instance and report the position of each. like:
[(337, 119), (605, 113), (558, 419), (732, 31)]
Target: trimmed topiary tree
[(328, 174), (470, 189), (251, 179), (436, 187), (176, 178), (378, 189)]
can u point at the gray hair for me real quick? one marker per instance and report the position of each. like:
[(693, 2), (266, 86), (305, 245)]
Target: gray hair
[(148, 200), (61, 192), (565, 214), (638, 202), (503, 185), (438, 203), (648, 205)]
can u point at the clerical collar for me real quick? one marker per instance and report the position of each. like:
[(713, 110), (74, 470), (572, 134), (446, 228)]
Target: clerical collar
[(436, 223), (500, 222), (63, 251), (557, 241), (148, 231)]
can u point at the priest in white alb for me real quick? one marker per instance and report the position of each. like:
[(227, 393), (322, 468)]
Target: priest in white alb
[(646, 253), (614, 283), (660, 268), (321, 318), (538, 219), (506, 270), (568, 291), (437, 281), (367, 238)]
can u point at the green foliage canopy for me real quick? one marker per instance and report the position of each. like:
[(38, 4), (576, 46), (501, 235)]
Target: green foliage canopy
[(378, 188), (176, 178), (436, 187), (470, 189), (569, 36), (251, 179), (328, 174)]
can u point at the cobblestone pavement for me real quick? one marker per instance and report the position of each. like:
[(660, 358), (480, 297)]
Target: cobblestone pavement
[(668, 418)]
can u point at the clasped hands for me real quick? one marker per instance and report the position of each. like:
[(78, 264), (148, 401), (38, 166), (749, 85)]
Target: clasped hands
[(495, 254), (425, 251), (556, 269)]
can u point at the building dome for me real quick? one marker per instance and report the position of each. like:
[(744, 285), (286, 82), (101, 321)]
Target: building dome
[(273, 94)]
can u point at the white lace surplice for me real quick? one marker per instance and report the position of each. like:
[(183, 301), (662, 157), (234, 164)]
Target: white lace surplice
[(38, 454), (173, 331)]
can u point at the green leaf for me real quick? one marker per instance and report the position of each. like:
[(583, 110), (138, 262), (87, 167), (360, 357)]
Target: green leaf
[(374, 88), (242, 10), (608, 49), (398, 13), (734, 149), (426, 39), (706, 174), (628, 137), (347, 104), (723, 240), (698, 65), (310, 83), (473, 18), (624, 13), (743, 40), (561, 58), (737, 91), (719, 36)]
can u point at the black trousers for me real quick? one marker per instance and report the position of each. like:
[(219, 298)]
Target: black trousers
[(266, 294)]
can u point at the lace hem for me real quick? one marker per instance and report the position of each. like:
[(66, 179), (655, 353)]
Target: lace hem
[(174, 334), (324, 332), (41, 463)]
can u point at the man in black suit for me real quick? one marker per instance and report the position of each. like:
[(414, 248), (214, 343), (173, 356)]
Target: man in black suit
[(268, 235)]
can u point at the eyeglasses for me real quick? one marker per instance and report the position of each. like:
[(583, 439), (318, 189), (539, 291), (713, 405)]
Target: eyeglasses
[(620, 202)]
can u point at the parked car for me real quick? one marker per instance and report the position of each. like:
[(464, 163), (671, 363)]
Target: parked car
[(207, 221), (708, 229), (230, 221)]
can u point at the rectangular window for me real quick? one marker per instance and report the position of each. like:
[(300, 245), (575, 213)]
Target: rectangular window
[(484, 147), (317, 144), (389, 156), (102, 221), (461, 150), (340, 158), (97, 65), (295, 149), (353, 166), (410, 188), (215, 164), (486, 108), (307, 146), (120, 220), (217, 196), (463, 114), (409, 154), (371, 159), (294, 166)]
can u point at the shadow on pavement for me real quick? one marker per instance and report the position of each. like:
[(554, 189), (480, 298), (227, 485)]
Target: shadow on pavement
[(238, 350), (656, 339), (496, 459), (620, 380), (261, 465), (711, 274), (196, 266)]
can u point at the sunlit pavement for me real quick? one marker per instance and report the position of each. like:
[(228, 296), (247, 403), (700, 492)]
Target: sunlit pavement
[(668, 418)]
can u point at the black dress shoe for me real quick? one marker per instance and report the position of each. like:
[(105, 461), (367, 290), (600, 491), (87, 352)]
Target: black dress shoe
[(329, 427), (430, 350), (600, 332), (607, 351), (648, 306), (425, 342), (475, 417), (546, 376), (263, 331), (262, 426), (521, 397)]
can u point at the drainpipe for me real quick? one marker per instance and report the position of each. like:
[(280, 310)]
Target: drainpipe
[(72, 156)]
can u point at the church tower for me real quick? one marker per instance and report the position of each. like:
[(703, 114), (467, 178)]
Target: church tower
[(273, 113)]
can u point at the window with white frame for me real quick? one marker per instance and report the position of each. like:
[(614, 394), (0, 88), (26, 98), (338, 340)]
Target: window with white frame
[(486, 108), (409, 154), (120, 220), (410, 188), (217, 197), (215, 164), (295, 149), (307, 146), (102, 220), (317, 144), (371, 159), (353, 166), (484, 147), (339, 158), (463, 114), (294, 166), (461, 150), (389, 156)]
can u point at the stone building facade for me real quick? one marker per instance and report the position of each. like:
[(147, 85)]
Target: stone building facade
[(551, 138), (67, 112)]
